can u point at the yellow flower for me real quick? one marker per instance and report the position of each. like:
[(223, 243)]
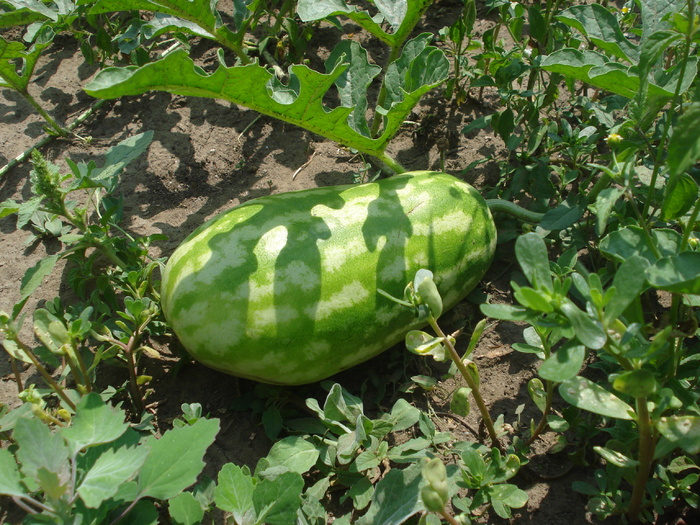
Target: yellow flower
[(625, 10), (613, 138)]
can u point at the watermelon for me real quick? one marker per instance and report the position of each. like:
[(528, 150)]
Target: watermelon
[(283, 289)]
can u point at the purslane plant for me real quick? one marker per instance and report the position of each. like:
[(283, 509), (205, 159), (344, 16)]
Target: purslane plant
[(122, 301), (423, 297), (648, 381)]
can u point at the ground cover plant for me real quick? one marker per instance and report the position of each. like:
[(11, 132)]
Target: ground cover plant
[(577, 121)]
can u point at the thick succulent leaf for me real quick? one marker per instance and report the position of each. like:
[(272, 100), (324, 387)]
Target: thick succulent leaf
[(587, 395), (678, 273)]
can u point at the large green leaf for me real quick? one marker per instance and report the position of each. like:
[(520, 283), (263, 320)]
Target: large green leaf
[(277, 500), (34, 276), (655, 12), (402, 16), (111, 469), (396, 497), (629, 241), (252, 86), (595, 69), (39, 448), (684, 144), (588, 330), (94, 423), (24, 12), (352, 85), (531, 253), (203, 14), (234, 492), (563, 364), (10, 484), (419, 68), (116, 159), (601, 28), (680, 194), (294, 454), (629, 283), (683, 431), (12, 53), (184, 509), (175, 459)]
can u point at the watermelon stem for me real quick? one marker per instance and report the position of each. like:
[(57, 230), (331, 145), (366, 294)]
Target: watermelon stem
[(512, 209), (392, 163)]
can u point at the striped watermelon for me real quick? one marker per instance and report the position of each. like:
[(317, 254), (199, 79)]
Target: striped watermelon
[(283, 289)]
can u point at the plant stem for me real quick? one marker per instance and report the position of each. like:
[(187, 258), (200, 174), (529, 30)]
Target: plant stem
[(83, 369), (510, 208), (48, 138), (131, 366), (646, 457), (18, 501), (451, 520), (542, 425), (16, 372), (60, 130), (47, 377), (488, 422), (389, 161)]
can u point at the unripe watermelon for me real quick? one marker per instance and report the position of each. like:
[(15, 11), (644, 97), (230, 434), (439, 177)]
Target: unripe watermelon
[(283, 289)]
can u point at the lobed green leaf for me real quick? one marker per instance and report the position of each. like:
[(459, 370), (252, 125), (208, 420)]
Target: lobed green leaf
[(10, 479), (110, 470), (234, 491), (163, 478), (94, 423), (184, 509), (602, 28)]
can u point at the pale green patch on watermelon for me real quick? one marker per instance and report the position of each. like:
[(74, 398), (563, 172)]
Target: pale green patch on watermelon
[(283, 289), (351, 295)]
